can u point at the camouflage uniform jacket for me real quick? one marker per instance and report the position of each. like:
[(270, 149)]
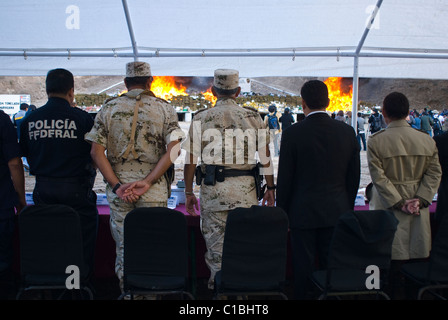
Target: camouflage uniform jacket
[(157, 126), (232, 125)]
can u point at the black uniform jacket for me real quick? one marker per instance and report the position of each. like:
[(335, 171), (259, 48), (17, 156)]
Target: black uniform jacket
[(318, 172)]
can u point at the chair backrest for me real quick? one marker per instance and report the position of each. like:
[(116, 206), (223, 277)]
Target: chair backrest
[(439, 253), (155, 242), (50, 240), (255, 248), (362, 238)]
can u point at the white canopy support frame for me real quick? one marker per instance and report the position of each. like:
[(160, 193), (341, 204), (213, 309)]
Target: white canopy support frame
[(131, 30), (355, 65), (257, 37)]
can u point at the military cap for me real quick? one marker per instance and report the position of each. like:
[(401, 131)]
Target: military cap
[(138, 69), (226, 79)]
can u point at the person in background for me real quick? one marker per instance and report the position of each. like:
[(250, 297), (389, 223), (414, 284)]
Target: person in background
[(376, 121), (437, 126), (405, 171), (340, 116), (286, 119), (31, 108), (410, 118), (318, 180), (417, 121), (427, 122), (12, 198), (19, 116), (445, 123), (272, 122), (348, 118), (52, 139), (361, 132)]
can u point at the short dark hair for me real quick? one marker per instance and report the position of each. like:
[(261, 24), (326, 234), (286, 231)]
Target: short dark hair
[(136, 81), (225, 92), (396, 106), (59, 81), (24, 106), (315, 94)]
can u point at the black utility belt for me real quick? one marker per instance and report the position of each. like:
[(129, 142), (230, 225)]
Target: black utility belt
[(214, 173)]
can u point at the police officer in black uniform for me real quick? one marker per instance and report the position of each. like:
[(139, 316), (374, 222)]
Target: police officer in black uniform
[(52, 138), (12, 195)]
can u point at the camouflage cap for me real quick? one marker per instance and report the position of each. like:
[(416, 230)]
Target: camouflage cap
[(138, 69), (226, 79)]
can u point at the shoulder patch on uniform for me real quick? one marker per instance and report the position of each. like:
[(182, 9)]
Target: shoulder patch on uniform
[(250, 108), (161, 100), (378, 132), (200, 110), (110, 99)]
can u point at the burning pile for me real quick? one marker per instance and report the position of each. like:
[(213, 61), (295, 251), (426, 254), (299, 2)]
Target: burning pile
[(340, 95), (168, 87)]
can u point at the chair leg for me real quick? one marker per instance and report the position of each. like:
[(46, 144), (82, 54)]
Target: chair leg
[(121, 297), (19, 294), (188, 294), (89, 292)]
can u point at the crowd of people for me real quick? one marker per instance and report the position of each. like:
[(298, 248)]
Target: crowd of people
[(135, 139)]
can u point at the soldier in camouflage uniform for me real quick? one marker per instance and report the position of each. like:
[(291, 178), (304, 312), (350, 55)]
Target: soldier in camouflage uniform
[(227, 122), (138, 150)]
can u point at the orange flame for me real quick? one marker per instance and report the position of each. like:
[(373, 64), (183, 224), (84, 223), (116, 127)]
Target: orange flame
[(208, 95), (166, 88), (340, 98)]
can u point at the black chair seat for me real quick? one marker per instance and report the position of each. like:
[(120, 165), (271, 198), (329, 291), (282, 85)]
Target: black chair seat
[(50, 241), (360, 239), (341, 280), (254, 253), (155, 252), (155, 282), (242, 286), (432, 275), (33, 279), (419, 271)]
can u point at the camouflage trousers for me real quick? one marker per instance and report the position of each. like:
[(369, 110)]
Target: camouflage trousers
[(118, 211), (212, 226)]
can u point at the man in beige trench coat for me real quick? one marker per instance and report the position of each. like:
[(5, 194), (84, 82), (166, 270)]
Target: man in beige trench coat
[(405, 171)]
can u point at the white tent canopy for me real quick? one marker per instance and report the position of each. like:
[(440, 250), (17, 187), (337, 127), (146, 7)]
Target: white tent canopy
[(408, 39), (303, 38)]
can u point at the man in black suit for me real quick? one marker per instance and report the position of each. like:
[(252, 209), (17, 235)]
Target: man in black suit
[(442, 194), (318, 180)]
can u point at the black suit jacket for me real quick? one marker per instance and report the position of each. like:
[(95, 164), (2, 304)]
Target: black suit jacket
[(318, 172), (442, 194)]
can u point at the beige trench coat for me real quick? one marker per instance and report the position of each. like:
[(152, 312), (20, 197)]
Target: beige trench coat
[(404, 164)]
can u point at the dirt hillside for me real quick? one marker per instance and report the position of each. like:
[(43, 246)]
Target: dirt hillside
[(421, 93)]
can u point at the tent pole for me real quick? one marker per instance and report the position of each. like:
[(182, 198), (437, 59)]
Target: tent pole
[(356, 63), (131, 30), (355, 93)]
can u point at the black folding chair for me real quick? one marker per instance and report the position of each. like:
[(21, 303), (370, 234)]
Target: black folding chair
[(360, 239), (431, 276), (254, 253), (51, 250), (155, 253)]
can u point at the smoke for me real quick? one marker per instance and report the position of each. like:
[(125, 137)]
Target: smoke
[(195, 84)]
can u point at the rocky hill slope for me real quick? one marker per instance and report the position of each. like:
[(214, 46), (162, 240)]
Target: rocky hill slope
[(421, 93)]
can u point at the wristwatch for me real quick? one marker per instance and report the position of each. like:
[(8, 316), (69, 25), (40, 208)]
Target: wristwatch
[(271, 188), (114, 189)]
